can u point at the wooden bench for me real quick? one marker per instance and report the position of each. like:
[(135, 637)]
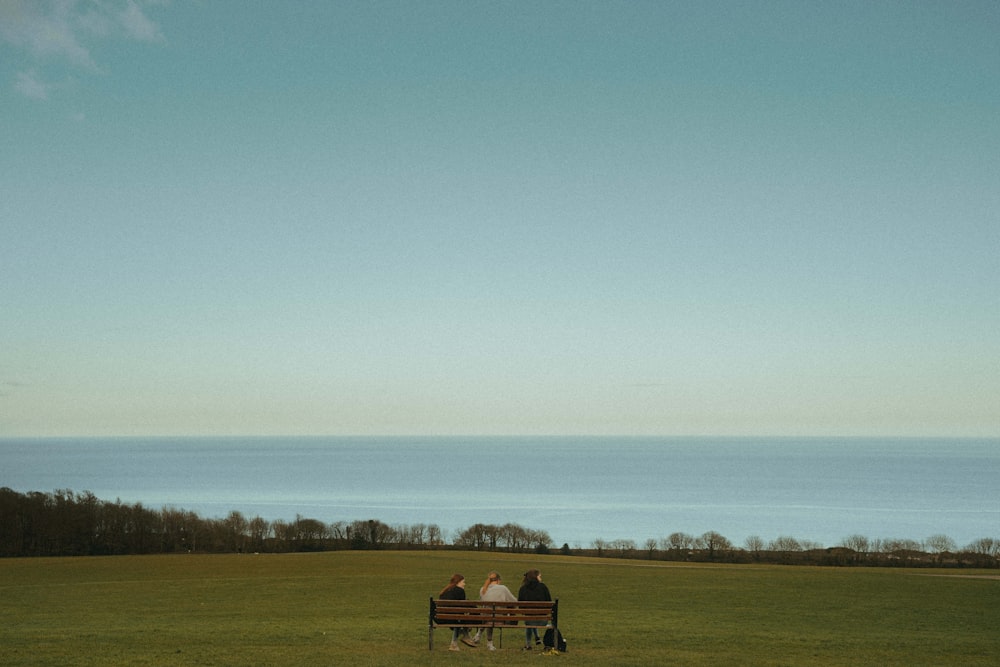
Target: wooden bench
[(485, 614)]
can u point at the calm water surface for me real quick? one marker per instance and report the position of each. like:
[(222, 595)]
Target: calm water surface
[(576, 489)]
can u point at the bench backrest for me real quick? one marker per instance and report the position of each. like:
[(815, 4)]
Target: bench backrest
[(484, 613)]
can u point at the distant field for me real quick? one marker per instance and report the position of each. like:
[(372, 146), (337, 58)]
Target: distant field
[(370, 608)]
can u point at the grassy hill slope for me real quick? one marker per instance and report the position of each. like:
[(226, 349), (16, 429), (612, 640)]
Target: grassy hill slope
[(370, 608)]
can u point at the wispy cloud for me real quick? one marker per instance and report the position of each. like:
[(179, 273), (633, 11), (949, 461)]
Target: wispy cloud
[(137, 25), (47, 29), (28, 85), (62, 33)]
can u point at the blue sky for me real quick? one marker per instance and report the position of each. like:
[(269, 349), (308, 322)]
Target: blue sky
[(735, 218)]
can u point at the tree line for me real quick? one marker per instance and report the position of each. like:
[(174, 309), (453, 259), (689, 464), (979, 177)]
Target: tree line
[(64, 523), (936, 550)]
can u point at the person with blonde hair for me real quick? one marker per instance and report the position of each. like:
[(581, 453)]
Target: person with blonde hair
[(493, 591)]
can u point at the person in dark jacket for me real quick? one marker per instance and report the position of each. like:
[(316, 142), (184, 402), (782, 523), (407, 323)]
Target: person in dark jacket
[(532, 589), (455, 590)]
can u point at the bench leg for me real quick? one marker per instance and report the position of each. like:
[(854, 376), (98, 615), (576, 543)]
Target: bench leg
[(430, 638)]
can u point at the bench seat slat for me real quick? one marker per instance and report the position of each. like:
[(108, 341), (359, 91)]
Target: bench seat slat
[(493, 612), (456, 620), (498, 605)]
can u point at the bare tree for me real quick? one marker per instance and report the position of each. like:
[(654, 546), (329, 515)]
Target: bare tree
[(876, 546), (678, 542), (236, 531), (754, 544), (492, 533), (899, 551), (893, 545), (176, 532), (600, 545), (785, 543), (858, 543), (985, 546), (624, 547), (473, 537), (940, 545), (308, 534), (540, 539), (379, 533), (340, 530), (714, 543), (650, 548), (283, 534), (516, 537), (258, 529)]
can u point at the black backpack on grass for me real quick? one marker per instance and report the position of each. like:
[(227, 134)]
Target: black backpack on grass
[(548, 642)]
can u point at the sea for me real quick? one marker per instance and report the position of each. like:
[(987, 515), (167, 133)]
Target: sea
[(579, 490)]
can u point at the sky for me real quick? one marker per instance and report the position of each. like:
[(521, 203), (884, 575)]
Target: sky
[(443, 218)]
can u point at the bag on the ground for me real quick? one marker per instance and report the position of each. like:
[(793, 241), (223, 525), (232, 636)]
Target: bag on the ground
[(547, 640)]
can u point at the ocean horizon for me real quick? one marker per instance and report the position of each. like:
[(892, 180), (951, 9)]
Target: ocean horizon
[(578, 489)]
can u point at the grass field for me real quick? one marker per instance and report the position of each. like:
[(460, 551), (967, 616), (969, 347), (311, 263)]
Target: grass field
[(370, 608)]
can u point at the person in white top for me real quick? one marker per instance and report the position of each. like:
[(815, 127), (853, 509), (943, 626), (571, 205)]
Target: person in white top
[(493, 591)]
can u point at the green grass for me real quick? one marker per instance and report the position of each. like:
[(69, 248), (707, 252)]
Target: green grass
[(370, 608)]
